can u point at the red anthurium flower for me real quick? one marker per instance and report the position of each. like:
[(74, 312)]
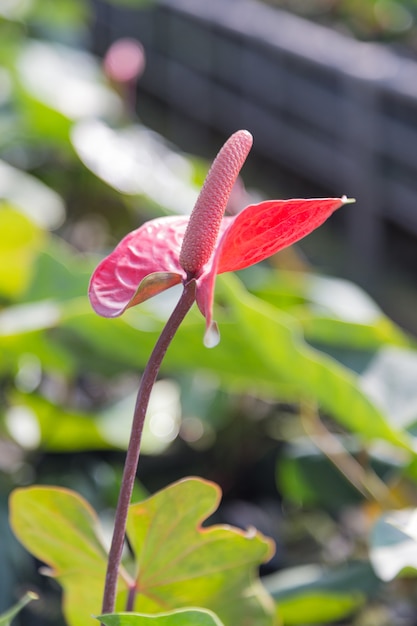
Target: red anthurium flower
[(171, 250)]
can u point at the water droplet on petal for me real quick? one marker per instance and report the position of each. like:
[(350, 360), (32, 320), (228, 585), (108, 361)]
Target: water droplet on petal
[(212, 336)]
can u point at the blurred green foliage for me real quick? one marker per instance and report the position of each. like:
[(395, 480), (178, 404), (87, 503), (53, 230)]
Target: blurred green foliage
[(305, 413)]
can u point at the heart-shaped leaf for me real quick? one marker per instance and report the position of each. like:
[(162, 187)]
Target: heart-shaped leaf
[(178, 563), (61, 529)]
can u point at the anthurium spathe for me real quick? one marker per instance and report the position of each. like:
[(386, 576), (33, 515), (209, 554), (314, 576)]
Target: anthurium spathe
[(177, 249)]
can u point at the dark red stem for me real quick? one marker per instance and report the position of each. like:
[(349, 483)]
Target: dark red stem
[(132, 456)]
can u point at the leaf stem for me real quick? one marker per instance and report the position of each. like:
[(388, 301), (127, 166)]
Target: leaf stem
[(132, 456)]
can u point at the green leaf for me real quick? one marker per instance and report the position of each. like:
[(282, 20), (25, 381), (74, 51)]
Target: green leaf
[(55, 428), (186, 617), (7, 617), (136, 161), (319, 608), (20, 240), (261, 347), (328, 331), (58, 273), (37, 201), (276, 338), (393, 544), (130, 339), (179, 563), (332, 311), (314, 595), (333, 297), (60, 84), (33, 421), (60, 528)]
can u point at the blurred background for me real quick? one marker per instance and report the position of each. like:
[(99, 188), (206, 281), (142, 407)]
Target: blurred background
[(330, 108), (110, 112)]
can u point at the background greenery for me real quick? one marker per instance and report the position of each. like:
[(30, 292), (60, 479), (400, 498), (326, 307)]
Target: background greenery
[(304, 414)]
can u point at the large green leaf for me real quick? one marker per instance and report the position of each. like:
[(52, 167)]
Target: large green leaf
[(129, 340), (326, 330), (261, 347), (186, 617), (276, 338), (61, 529), (179, 563), (332, 311)]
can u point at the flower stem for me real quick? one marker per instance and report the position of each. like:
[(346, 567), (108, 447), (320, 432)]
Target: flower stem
[(132, 456)]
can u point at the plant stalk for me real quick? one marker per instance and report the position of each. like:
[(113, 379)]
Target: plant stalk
[(132, 456)]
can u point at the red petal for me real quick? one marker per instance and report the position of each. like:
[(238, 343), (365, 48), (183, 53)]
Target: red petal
[(256, 233), (261, 230), (143, 264)]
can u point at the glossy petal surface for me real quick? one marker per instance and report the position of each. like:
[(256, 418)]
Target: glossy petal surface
[(261, 230), (142, 265), (255, 234)]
